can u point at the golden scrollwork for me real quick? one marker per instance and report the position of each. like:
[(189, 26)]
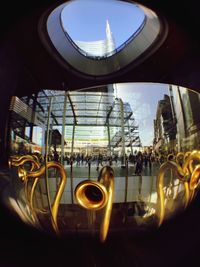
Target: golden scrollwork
[(169, 165), (95, 195), (193, 161), (25, 175), (190, 160), (20, 161), (170, 157), (188, 174), (186, 155), (180, 158), (194, 181)]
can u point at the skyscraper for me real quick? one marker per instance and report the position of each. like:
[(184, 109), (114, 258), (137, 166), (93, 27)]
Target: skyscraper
[(100, 48)]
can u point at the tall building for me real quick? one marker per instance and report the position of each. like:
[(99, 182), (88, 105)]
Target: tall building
[(165, 127), (100, 48)]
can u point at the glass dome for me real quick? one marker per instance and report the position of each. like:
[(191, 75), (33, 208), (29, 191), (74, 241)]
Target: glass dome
[(104, 159)]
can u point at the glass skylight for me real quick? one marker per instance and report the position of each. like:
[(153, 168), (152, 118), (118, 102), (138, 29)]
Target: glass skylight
[(100, 28)]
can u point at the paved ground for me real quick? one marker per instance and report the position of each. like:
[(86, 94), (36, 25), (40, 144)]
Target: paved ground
[(119, 171)]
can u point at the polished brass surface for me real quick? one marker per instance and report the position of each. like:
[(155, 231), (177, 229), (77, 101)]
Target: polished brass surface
[(190, 165), (194, 181), (98, 195), (194, 169), (190, 159), (186, 155), (107, 178), (169, 165), (189, 168), (91, 195), (180, 158), (20, 162), (170, 157), (21, 169), (41, 171), (16, 159), (94, 195), (188, 173)]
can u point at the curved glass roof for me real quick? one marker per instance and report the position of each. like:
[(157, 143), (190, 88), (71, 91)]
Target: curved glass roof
[(101, 28)]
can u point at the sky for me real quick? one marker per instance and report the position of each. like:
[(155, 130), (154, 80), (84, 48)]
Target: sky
[(143, 98), (85, 20)]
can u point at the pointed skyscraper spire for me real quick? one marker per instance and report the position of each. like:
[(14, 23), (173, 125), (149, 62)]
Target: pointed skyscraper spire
[(109, 38), (108, 31)]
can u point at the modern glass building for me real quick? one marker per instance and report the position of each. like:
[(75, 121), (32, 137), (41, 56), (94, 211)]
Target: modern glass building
[(101, 48), (99, 136)]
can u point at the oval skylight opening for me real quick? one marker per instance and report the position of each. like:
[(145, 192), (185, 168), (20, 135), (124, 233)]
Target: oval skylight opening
[(100, 38), (101, 28)]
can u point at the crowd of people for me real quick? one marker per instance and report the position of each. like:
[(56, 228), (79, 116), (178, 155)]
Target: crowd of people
[(138, 159)]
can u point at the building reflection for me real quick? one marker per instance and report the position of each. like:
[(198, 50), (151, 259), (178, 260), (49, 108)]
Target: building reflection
[(176, 126), (59, 141)]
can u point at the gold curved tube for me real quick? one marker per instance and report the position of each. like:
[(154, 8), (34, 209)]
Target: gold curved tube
[(194, 155), (194, 181), (85, 200), (35, 157), (186, 155), (18, 159), (187, 194), (24, 159), (104, 190), (187, 174), (170, 157), (61, 187), (21, 171), (107, 176), (32, 192), (19, 162), (193, 170), (160, 181), (34, 167), (195, 178), (179, 158)]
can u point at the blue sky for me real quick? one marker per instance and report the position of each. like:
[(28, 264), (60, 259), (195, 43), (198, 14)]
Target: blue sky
[(143, 98), (85, 20)]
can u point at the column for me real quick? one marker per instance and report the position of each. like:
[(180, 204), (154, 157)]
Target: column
[(122, 131), (63, 129)]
